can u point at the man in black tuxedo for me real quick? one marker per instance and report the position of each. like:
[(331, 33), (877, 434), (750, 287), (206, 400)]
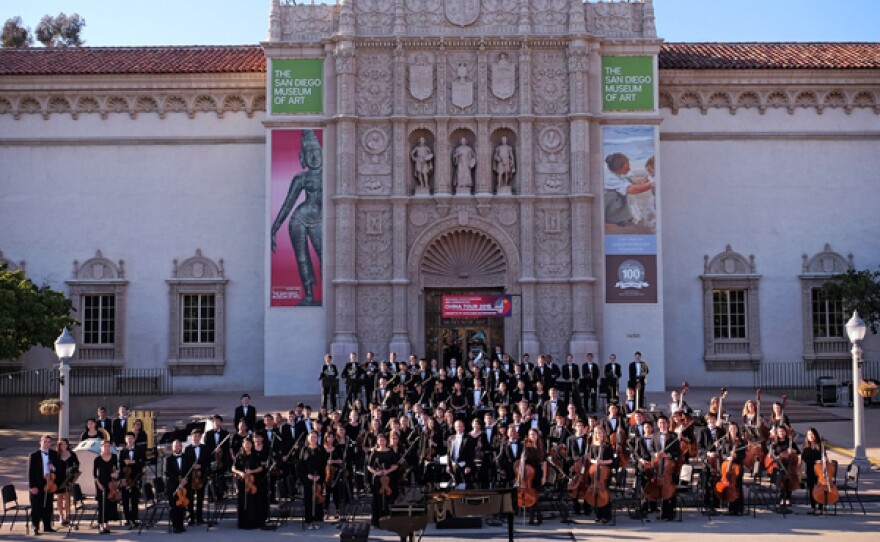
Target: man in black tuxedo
[(131, 465), (41, 463), (577, 445), (217, 445), (245, 411), (197, 458), (612, 378), (352, 375), (121, 426), (511, 451), (176, 469), (103, 422), (553, 406), (462, 450), (665, 441), (329, 378), (571, 374), (590, 383), (638, 375)]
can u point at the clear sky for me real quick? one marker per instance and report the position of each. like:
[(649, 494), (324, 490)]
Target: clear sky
[(233, 22)]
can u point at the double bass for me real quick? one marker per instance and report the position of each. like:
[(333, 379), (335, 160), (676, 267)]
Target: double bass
[(526, 492), (825, 492), (597, 493)]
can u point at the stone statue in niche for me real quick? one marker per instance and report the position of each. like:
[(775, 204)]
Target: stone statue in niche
[(464, 160), (423, 163), (504, 164)]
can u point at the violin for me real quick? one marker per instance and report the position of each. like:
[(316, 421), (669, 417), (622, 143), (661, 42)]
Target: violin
[(180, 498), (384, 483), (824, 492), (318, 491), (250, 486), (113, 491), (51, 486), (218, 457), (197, 481)]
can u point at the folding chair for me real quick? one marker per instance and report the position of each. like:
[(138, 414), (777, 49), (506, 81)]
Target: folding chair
[(80, 508), (10, 504), (154, 509), (626, 498), (849, 487), (687, 494)]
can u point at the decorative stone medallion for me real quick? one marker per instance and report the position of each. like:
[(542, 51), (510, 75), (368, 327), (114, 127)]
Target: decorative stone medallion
[(462, 12)]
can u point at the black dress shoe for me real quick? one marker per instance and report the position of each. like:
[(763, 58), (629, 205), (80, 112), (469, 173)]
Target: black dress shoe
[(50, 530)]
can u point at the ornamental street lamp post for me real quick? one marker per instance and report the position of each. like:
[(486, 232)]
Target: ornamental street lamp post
[(855, 330), (65, 346)]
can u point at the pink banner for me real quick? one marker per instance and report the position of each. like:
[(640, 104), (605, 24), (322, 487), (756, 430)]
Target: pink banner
[(296, 218), (476, 306)]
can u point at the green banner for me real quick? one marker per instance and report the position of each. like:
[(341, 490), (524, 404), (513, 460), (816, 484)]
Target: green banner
[(627, 83), (297, 85)]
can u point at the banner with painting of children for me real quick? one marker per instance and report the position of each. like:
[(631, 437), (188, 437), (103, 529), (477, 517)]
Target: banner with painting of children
[(630, 212)]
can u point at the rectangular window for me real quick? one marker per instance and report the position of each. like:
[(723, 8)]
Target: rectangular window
[(99, 319), (729, 314), (198, 318), (828, 317)]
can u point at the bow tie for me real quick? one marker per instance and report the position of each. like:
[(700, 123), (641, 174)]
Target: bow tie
[(45, 453)]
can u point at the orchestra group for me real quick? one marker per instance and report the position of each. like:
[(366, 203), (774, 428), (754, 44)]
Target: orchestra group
[(492, 423)]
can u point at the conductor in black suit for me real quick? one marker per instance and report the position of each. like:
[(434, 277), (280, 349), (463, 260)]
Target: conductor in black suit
[(40, 464), (246, 412)]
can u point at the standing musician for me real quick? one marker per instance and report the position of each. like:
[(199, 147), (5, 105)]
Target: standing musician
[(533, 456), (577, 445), (786, 453), (382, 465), (478, 398), (120, 427), (66, 475), (666, 442), (644, 450), (553, 406), (352, 375), (92, 430), (176, 481), (131, 460), (43, 465), (245, 411), (589, 384), (811, 457), (510, 453), (249, 471), (384, 397), (103, 422), (199, 462), (217, 446), (600, 453), (571, 375), (329, 378), (462, 454), (612, 378), (638, 375), (312, 469), (105, 472), (733, 447), (368, 375), (334, 473), (711, 439)]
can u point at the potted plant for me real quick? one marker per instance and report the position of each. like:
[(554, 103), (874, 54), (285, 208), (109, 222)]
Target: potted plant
[(868, 389), (50, 407)]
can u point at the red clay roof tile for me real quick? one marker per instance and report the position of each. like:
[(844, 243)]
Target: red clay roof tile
[(772, 56)]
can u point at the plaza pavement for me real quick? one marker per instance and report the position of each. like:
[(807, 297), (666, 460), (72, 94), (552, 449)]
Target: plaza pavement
[(833, 423)]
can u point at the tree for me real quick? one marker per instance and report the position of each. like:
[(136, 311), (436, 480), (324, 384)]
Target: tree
[(60, 31), (859, 291), (30, 315), (15, 34)]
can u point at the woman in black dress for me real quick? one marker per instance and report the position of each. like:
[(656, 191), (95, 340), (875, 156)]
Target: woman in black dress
[(535, 457), (600, 452), (312, 470), (105, 472), (334, 485), (785, 452), (383, 466), (811, 456), (68, 465), (91, 430), (247, 465), (263, 453), (734, 445)]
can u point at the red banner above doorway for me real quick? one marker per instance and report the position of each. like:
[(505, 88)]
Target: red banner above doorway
[(476, 306)]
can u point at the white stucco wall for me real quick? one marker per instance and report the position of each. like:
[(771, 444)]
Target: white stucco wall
[(814, 182)]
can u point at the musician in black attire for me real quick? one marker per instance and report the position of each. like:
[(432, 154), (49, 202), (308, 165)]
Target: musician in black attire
[(131, 459), (198, 459), (577, 445), (66, 475), (217, 446), (783, 449), (40, 464), (589, 383), (121, 426), (105, 471), (245, 411), (811, 457), (103, 422), (734, 445), (571, 375), (353, 380), (175, 478), (601, 453), (329, 378), (251, 494), (382, 464), (711, 439), (334, 488), (612, 378), (312, 468), (667, 442)]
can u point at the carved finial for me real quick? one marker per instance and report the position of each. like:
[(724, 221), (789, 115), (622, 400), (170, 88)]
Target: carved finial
[(346, 19), (98, 254), (220, 269), (274, 20), (399, 18), (121, 269), (75, 268), (198, 252), (525, 20), (849, 261), (706, 264), (752, 264), (576, 18), (649, 29), (174, 269), (804, 265)]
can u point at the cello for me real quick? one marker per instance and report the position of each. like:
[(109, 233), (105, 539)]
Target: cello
[(756, 452), (726, 488), (596, 494), (660, 485), (824, 492), (526, 493)]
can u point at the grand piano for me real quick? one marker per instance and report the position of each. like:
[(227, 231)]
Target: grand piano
[(434, 506)]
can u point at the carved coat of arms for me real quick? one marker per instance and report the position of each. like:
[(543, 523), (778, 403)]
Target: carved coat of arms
[(421, 79), (462, 88), (503, 78), (462, 12)]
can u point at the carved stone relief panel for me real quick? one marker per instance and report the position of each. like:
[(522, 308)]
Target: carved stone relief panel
[(374, 149), (551, 158), (421, 99), (306, 22), (500, 13), (549, 82), (506, 217), (374, 80), (374, 16), (374, 238), (375, 185), (614, 19), (461, 73), (425, 16), (553, 242), (503, 97), (549, 16), (554, 322), (374, 318)]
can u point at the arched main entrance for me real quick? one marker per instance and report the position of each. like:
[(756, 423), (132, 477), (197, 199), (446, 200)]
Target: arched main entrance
[(463, 260)]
